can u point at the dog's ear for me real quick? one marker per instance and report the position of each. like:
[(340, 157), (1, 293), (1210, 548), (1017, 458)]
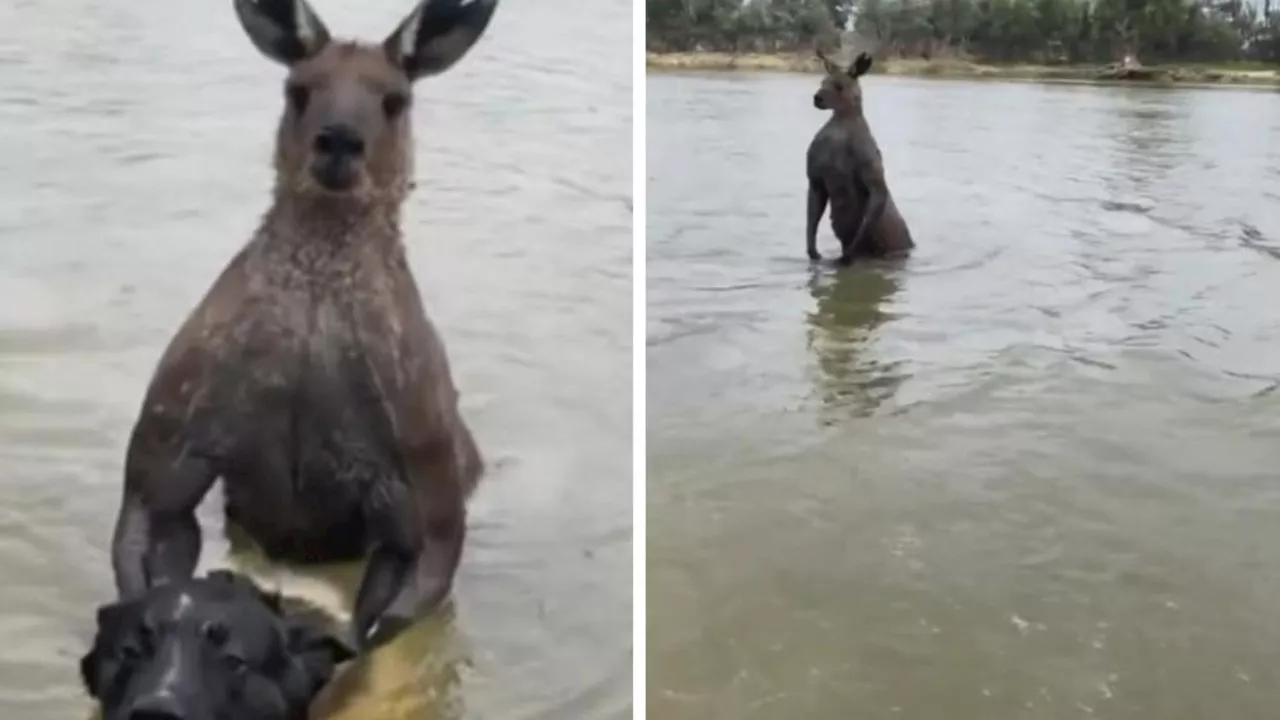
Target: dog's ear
[(315, 652), (91, 672), (244, 583), (114, 620)]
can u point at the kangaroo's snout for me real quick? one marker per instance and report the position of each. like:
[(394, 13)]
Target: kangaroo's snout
[(339, 140), (338, 150), (817, 101)]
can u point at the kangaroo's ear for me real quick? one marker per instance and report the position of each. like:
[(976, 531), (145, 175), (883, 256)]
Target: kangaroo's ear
[(861, 65), (437, 34), (286, 31), (830, 67)]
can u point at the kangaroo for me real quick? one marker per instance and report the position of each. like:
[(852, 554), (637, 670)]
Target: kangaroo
[(844, 168), (309, 379)]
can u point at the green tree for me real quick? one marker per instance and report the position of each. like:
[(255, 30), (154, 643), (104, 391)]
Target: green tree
[(993, 30)]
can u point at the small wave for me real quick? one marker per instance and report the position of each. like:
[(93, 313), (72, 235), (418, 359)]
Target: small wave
[(62, 339), (972, 263), (1137, 208), (1252, 238)]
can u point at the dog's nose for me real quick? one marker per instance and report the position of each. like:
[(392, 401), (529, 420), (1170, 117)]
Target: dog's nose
[(154, 715), (156, 707), (339, 140)]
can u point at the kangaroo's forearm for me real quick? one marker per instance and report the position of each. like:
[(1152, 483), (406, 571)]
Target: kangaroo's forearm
[(870, 218)]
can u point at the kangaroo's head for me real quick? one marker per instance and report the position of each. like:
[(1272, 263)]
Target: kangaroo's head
[(840, 91), (345, 128)]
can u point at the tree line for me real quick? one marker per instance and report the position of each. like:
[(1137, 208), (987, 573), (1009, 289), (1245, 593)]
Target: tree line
[(1035, 31)]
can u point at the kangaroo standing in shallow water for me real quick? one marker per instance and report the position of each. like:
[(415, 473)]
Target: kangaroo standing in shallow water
[(309, 378), (844, 168)]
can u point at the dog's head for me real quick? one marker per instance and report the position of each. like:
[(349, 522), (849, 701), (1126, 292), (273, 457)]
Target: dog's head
[(208, 649)]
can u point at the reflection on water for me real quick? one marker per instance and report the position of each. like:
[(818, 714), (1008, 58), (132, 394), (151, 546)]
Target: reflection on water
[(1028, 473), (433, 689), (849, 306), (136, 142)]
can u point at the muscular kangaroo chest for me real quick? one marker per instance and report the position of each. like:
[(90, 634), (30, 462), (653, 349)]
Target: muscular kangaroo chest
[(833, 162), (293, 392)]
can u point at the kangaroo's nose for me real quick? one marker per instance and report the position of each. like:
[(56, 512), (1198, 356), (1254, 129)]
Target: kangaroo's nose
[(339, 140)]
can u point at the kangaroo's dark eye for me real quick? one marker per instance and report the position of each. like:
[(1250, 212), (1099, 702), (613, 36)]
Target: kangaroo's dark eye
[(394, 103), (298, 95)]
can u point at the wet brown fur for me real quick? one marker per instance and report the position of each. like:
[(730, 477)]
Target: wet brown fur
[(846, 170), (309, 378)]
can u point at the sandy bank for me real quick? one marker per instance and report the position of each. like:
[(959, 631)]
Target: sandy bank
[(1154, 74)]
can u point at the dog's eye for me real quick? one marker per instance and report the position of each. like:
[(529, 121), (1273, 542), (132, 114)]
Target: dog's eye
[(130, 652), (298, 95), (216, 633), (135, 648), (394, 103)]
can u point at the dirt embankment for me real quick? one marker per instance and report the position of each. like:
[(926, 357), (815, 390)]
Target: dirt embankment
[(796, 62)]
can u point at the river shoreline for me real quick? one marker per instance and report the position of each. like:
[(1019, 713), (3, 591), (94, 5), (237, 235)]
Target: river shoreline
[(1182, 75)]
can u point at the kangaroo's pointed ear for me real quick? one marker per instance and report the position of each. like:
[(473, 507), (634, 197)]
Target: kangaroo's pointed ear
[(286, 31), (437, 34), (861, 65), (830, 67)]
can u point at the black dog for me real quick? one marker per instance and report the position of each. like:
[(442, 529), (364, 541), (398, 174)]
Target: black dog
[(213, 648)]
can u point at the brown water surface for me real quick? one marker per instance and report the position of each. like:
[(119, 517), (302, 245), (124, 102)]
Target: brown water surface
[(1032, 473)]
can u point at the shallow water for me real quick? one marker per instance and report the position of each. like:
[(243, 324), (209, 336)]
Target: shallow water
[(1030, 473), (135, 143)]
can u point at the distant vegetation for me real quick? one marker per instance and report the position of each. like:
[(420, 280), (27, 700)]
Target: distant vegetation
[(1043, 32)]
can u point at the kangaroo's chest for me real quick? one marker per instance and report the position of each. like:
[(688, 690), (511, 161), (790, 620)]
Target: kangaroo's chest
[(831, 161), (290, 382), (310, 431)]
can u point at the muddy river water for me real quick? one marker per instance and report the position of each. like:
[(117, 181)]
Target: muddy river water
[(1030, 473)]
